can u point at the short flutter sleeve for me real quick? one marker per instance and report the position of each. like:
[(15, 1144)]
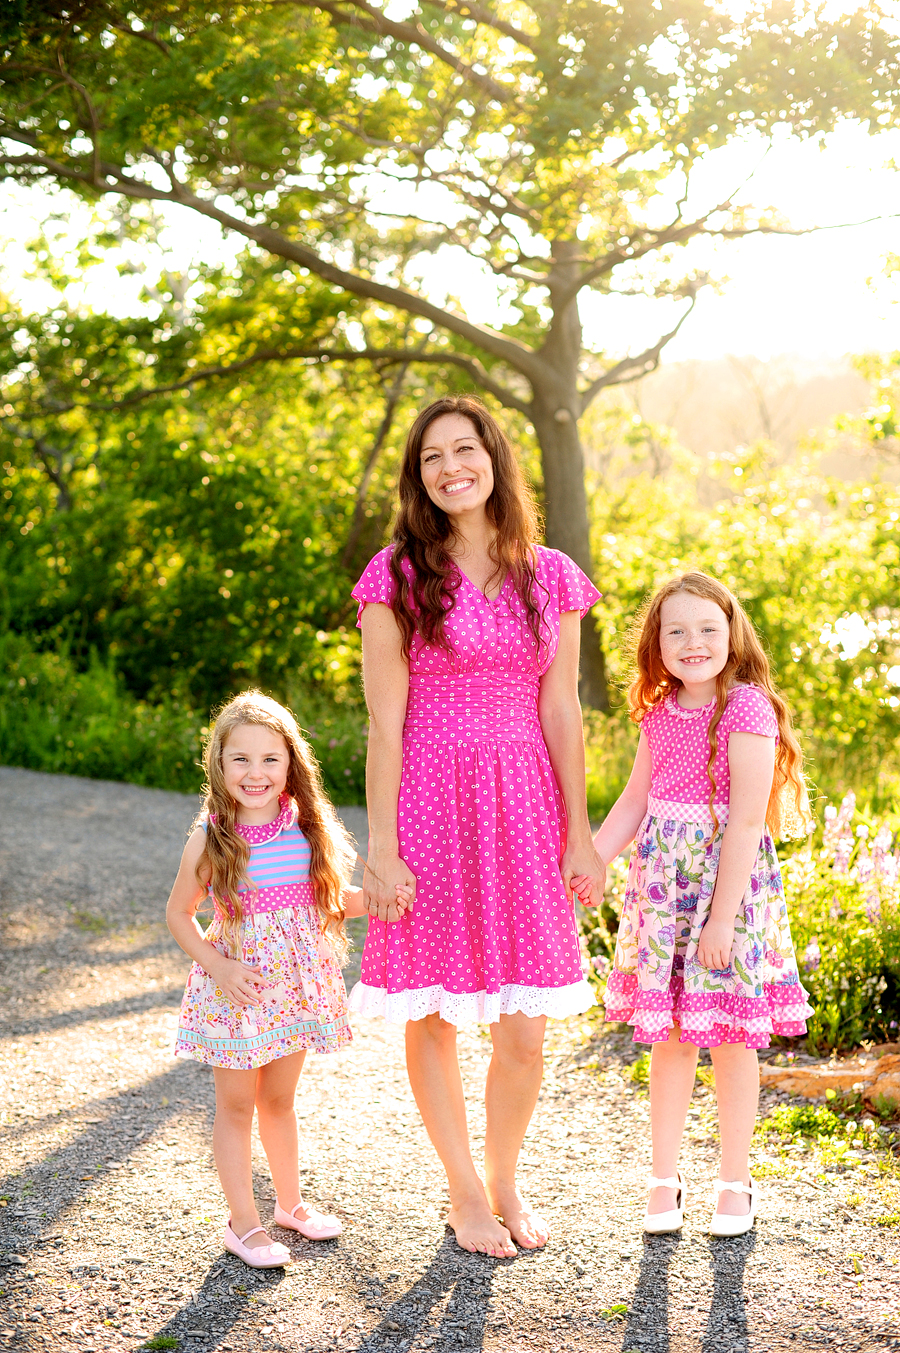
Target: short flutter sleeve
[(575, 591), (749, 710), (376, 584)]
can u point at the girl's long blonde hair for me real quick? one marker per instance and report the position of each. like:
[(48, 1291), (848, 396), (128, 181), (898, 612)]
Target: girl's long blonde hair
[(223, 864), (788, 808)]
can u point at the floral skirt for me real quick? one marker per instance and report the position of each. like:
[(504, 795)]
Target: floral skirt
[(304, 1005), (657, 983)]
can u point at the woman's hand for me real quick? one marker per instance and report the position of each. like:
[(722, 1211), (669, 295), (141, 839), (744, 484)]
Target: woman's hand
[(239, 983), (714, 949), (389, 887), (583, 874)]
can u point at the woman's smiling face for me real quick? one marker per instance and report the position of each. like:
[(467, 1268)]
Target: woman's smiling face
[(456, 467)]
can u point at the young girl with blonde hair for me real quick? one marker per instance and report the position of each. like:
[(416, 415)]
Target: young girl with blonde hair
[(268, 851), (704, 957)]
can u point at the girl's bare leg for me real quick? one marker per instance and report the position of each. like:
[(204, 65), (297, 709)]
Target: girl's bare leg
[(437, 1085), (737, 1098), (673, 1069), (276, 1086), (513, 1085), (235, 1095)]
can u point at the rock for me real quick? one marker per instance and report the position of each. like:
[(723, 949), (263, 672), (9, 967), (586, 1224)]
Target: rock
[(873, 1078)]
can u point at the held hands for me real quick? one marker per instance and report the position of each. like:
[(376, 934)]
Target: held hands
[(584, 875), (240, 983), (714, 949), (389, 888)]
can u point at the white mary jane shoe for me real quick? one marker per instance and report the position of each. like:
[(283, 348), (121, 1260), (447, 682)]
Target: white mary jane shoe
[(724, 1225), (659, 1223)]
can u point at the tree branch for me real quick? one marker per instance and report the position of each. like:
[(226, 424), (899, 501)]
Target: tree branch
[(509, 350), (52, 461), (378, 356), (362, 488), (376, 22), (632, 368), (484, 16), (144, 36)]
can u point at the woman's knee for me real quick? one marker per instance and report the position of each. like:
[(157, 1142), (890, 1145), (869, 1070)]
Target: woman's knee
[(431, 1030), (519, 1040)]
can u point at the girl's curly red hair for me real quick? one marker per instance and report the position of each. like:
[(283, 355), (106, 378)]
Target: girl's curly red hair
[(747, 664)]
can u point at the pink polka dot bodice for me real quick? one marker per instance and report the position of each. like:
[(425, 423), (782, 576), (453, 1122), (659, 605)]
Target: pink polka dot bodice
[(679, 743)]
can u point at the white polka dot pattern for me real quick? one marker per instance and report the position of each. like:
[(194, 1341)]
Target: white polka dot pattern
[(679, 743), (480, 817)]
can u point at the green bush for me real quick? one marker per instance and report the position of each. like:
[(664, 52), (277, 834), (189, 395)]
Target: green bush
[(842, 893), (55, 717)]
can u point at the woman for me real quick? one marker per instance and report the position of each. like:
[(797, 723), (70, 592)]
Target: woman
[(476, 796)]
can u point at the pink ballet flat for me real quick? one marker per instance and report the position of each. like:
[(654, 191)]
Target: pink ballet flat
[(317, 1225), (275, 1255)]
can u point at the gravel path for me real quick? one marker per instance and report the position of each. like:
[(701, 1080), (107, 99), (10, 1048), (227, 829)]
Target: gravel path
[(110, 1215)]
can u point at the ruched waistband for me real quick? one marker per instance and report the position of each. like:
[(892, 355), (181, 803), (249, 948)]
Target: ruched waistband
[(472, 708), (687, 812)]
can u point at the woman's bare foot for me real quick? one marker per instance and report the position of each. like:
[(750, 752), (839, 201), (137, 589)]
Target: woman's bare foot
[(478, 1230), (526, 1226)]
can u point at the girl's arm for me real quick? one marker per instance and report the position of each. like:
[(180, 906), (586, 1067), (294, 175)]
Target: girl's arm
[(560, 715), (751, 765), (239, 982), (386, 681), (629, 809)]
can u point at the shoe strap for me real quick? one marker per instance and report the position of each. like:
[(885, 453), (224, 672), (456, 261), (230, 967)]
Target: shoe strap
[(255, 1232), (673, 1183), (735, 1187)]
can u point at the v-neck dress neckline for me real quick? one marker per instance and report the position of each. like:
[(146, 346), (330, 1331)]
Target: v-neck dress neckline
[(491, 601)]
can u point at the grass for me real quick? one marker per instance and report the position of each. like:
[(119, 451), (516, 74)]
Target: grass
[(639, 1071), (161, 1341), (803, 1120)]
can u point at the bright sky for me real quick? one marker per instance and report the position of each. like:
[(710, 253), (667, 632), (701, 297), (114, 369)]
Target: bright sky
[(819, 295)]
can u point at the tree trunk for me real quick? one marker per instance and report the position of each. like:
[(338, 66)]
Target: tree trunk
[(556, 408), (567, 526)]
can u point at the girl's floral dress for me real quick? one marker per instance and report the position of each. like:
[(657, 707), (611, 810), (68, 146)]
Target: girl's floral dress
[(305, 1003), (656, 981)]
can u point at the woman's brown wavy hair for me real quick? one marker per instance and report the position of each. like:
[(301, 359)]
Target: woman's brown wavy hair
[(747, 664), (423, 532), (226, 855)]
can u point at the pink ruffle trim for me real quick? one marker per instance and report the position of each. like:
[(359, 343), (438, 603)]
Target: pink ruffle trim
[(709, 1018)]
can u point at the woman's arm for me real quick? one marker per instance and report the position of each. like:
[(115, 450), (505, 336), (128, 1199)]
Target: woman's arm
[(630, 808), (560, 715), (751, 766), (386, 680), (239, 982)]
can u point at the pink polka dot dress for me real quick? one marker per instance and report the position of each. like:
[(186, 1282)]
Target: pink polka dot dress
[(481, 819), (657, 981)]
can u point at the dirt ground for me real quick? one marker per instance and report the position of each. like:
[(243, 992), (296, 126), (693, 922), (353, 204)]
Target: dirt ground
[(111, 1217)]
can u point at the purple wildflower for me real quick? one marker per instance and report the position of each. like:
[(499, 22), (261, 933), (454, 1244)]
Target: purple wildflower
[(812, 956)]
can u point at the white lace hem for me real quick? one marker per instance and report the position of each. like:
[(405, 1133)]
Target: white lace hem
[(468, 1007)]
